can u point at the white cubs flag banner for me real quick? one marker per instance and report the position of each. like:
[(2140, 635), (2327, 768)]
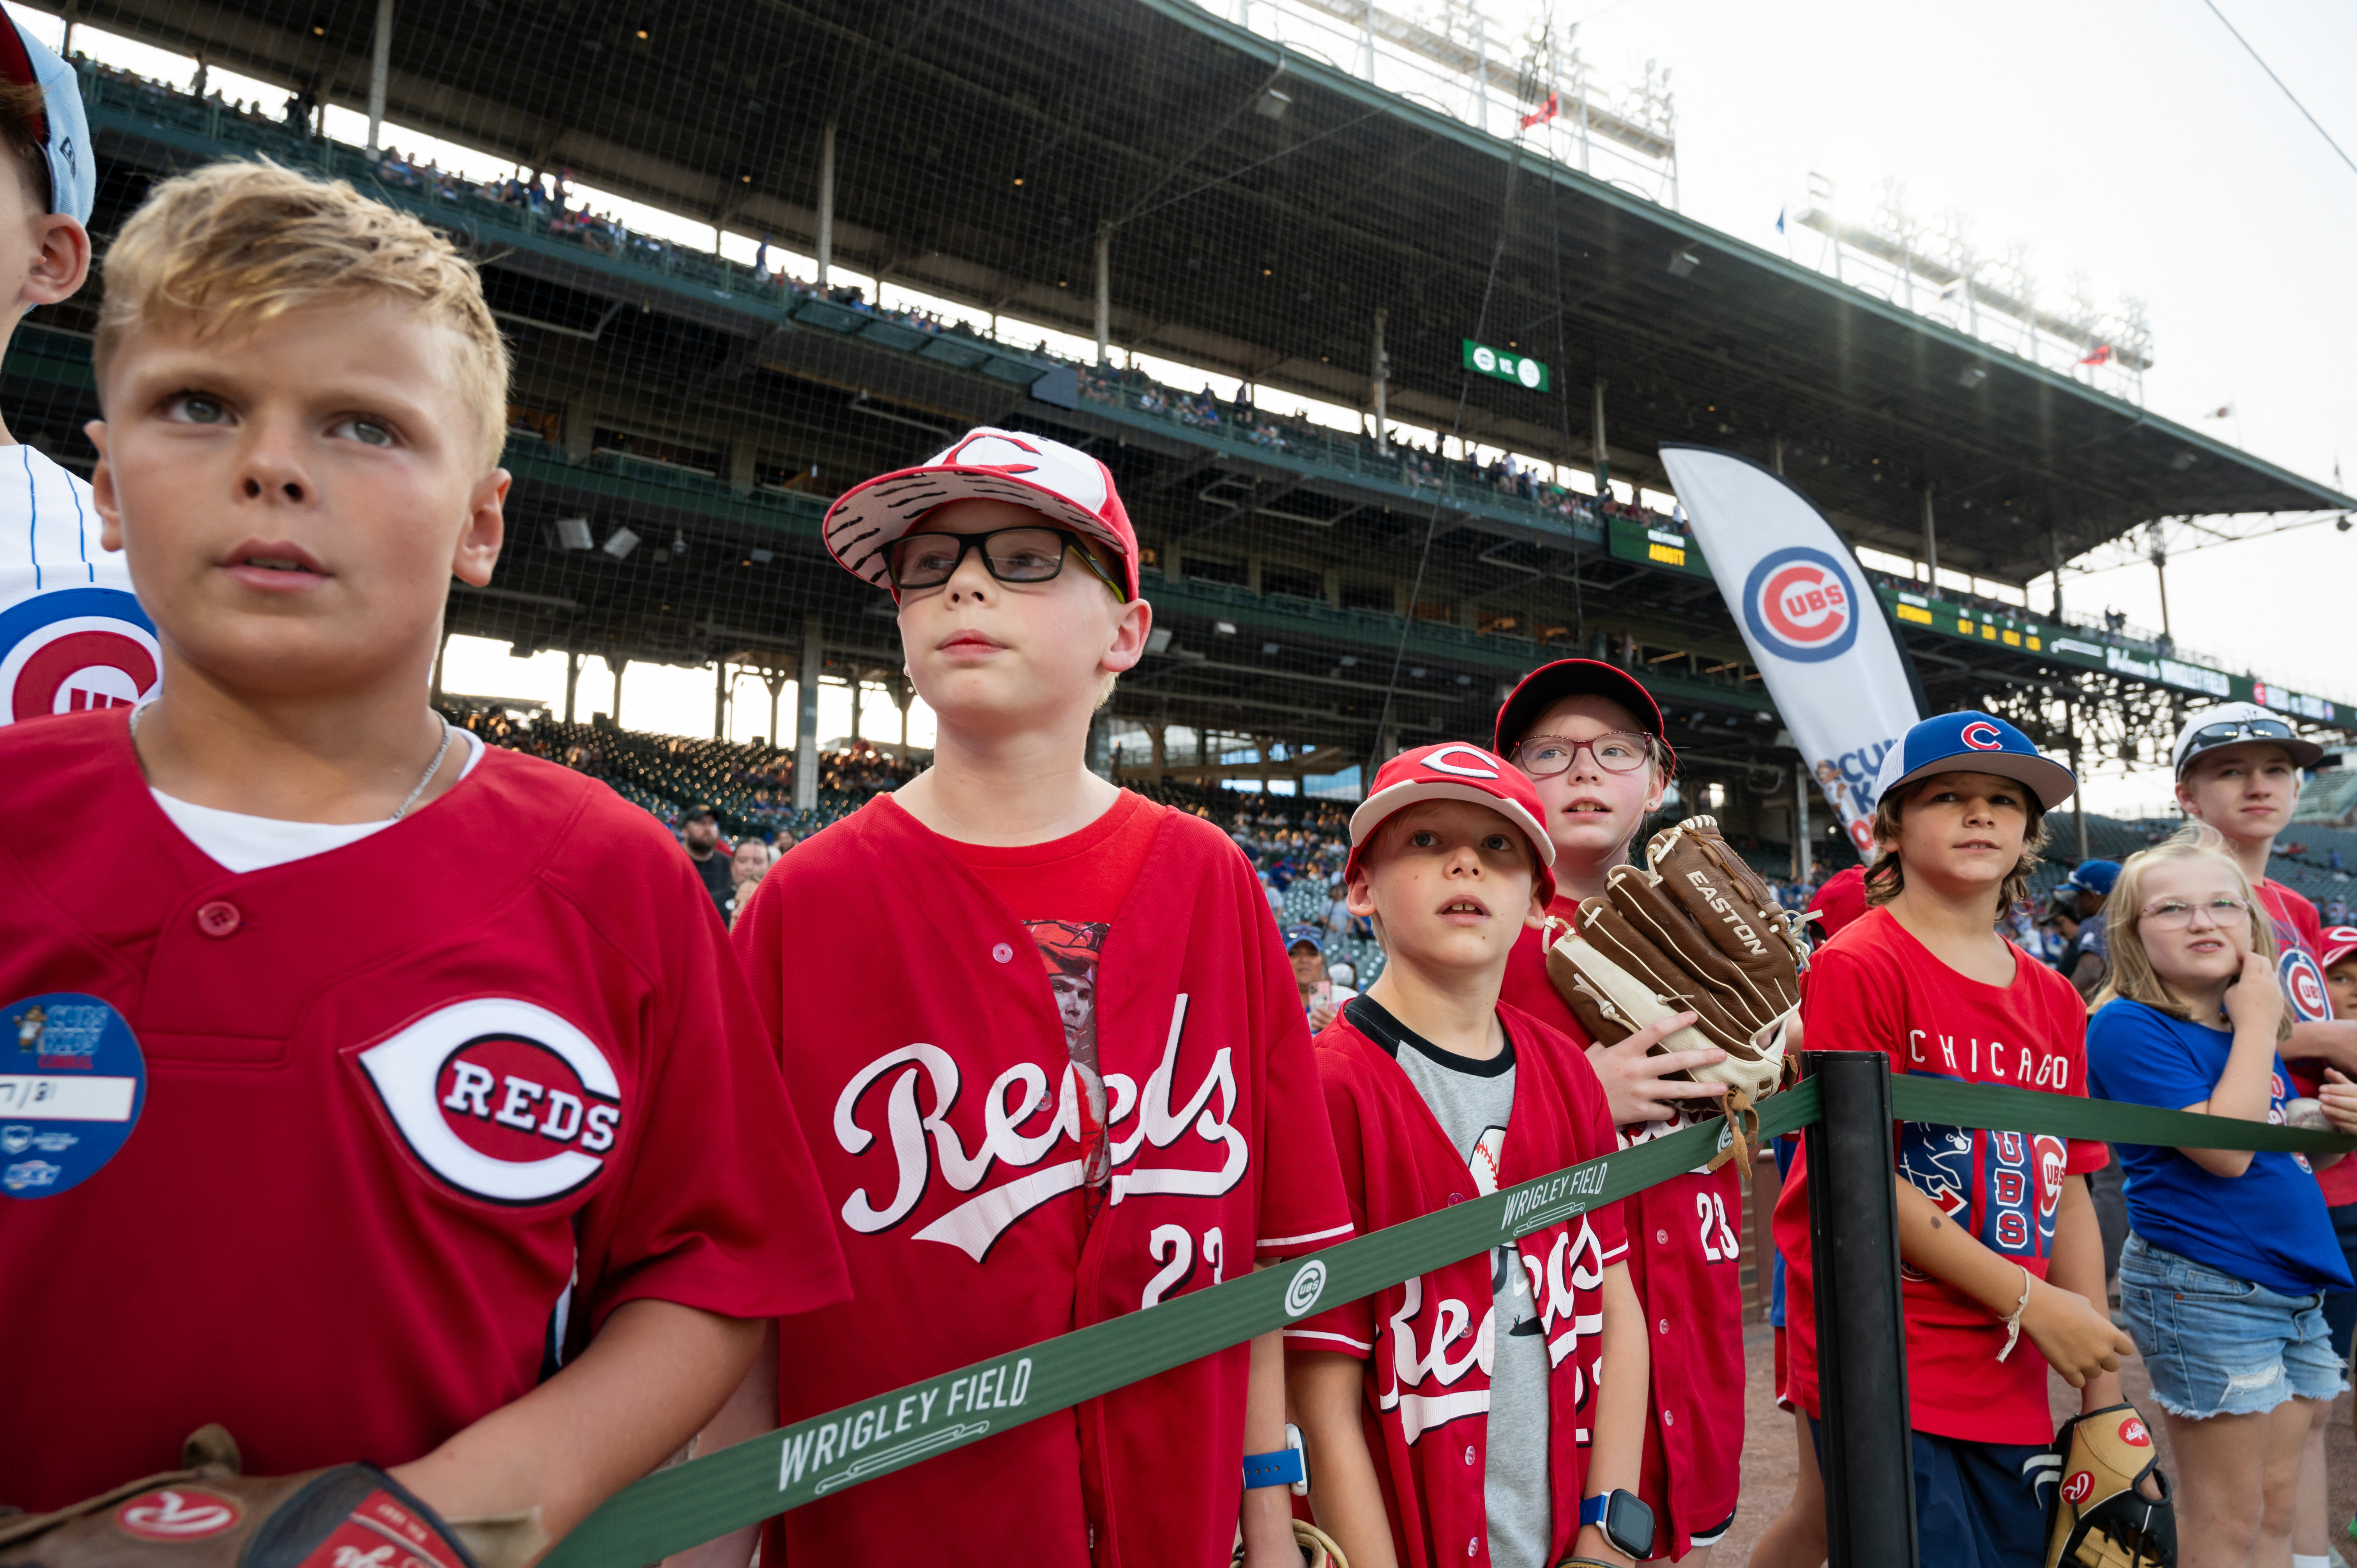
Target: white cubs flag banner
[(1809, 617)]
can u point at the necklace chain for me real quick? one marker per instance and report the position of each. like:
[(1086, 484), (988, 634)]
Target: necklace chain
[(440, 752)]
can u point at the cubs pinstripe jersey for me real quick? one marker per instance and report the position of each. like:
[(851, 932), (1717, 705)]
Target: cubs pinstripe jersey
[(72, 636)]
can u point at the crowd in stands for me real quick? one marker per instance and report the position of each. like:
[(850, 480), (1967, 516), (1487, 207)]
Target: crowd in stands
[(1416, 467)]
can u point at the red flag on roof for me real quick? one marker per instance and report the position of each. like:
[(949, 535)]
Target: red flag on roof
[(2101, 356), (1545, 111)]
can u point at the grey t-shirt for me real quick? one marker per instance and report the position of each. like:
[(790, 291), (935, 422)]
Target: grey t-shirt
[(1471, 1101)]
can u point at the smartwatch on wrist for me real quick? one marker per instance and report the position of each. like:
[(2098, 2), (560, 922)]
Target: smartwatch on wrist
[(1627, 1522)]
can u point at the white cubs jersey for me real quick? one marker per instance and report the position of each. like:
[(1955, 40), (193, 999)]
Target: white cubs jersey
[(72, 636)]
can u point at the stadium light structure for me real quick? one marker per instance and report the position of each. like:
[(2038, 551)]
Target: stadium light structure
[(1971, 377), (573, 533), (620, 542), (1683, 263)]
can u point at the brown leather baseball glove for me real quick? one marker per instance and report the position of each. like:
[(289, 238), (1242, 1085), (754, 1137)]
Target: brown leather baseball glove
[(1693, 930), (207, 1515)]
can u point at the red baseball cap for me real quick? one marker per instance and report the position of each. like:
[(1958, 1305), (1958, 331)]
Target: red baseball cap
[(1841, 900), (1548, 684), (2339, 941), (1454, 770), (1061, 483)]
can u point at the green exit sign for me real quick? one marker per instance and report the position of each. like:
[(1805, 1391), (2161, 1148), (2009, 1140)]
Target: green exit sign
[(1505, 365)]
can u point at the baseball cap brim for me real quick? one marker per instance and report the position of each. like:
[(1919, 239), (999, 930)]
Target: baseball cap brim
[(2050, 781), (868, 517), (1380, 807), (2304, 753), (1548, 684), (2339, 941)]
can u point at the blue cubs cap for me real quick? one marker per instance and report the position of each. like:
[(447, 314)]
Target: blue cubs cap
[(1970, 742), (61, 128), (2095, 877), (1297, 934)]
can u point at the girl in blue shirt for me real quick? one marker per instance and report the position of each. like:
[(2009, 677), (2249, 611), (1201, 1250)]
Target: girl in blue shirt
[(2228, 1252)]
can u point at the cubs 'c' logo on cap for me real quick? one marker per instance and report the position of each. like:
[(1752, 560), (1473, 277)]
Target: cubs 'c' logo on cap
[(1472, 761), (502, 1100), (75, 649), (1800, 603), (1983, 736)]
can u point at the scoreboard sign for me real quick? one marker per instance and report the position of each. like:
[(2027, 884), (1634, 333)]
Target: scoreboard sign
[(1505, 365)]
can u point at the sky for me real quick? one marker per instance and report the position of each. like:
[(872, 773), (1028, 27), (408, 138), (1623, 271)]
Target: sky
[(2133, 141)]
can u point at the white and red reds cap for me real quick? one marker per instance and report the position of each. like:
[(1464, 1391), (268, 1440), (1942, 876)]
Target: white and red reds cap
[(1454, 770), (2339, 941), (1061, 483)]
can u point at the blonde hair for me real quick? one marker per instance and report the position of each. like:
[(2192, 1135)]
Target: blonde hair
[(237, 244), (1885, 877), (2132, 976)]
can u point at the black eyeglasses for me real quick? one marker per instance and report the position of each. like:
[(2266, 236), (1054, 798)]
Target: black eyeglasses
[(1009, 555), (1616, 751)]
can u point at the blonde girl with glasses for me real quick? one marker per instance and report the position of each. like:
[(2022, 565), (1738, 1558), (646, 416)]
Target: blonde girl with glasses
[(2228, 1252)]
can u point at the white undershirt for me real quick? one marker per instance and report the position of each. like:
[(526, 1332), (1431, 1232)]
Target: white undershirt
[(242, 843)]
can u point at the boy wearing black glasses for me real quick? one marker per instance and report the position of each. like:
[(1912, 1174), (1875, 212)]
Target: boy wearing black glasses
[(2238, 769), (1588, 736), (1065, 1066)]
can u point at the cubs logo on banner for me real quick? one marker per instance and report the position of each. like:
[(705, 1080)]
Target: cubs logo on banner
[(1827, 655), (2303, 982), (75, 649), (502, 1100), (1801, 603)]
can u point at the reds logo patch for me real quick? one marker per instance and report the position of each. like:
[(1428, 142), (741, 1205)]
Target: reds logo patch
[(1800, 603), (177, 1513), (503, 1099), (73, 651)]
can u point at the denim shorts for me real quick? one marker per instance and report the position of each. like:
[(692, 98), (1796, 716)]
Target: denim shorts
[(2215, 1345)]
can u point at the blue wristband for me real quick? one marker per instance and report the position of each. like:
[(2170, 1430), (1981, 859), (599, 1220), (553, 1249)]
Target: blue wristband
[(1282, 1469)]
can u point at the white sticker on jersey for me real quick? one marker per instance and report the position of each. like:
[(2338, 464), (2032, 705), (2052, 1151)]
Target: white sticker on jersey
[(502, 1098)]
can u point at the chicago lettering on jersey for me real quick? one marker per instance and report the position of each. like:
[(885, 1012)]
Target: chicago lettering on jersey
[(2024, 1067), (1019, 1132), (502, 1098)]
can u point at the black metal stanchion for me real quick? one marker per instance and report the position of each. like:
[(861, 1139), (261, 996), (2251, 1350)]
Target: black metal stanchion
[(1861, 1335)]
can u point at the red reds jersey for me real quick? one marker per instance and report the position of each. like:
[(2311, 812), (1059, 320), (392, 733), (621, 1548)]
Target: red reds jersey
[(1685, 1259), (402, 1124), (921, 1040), (1875, 988), (1427, 1342), (2300, 937)]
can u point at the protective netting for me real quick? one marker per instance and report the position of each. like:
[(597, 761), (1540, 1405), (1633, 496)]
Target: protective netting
[(1382, 373)]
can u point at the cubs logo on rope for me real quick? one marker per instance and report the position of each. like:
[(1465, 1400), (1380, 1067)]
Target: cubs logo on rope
[(1800, 603), (73, 651), (502, 1100)]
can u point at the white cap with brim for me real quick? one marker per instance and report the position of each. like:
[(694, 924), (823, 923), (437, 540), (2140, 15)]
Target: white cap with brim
[(1972, 742), (62, 128), (2240, 723)]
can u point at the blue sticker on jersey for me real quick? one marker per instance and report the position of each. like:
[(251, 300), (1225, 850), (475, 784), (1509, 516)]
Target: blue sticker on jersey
[(72, 1083)]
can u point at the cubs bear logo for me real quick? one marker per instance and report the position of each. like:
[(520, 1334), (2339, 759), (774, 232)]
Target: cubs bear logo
[(502, 1098), (73, 651), (1800, 603)]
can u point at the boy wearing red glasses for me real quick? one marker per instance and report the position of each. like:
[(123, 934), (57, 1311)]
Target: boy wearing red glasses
[(1589, 736), (1085, 1087)]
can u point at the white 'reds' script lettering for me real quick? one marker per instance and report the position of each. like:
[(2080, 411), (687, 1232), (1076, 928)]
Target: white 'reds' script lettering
[(1012, 1104)]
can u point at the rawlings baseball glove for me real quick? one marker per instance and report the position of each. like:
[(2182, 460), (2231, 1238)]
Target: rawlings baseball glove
[(2101, 1517), (1693, 930), (207, 1515)]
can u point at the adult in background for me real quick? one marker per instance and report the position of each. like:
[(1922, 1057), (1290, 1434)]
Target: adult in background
[(701, 829), (746, 867), (2087, 959)]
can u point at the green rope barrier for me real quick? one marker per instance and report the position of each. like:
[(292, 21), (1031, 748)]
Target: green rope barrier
[(1992, 1105), (687, 1504)]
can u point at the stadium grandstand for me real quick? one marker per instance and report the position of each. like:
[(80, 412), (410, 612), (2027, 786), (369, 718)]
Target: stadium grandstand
[(1383, 383)]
